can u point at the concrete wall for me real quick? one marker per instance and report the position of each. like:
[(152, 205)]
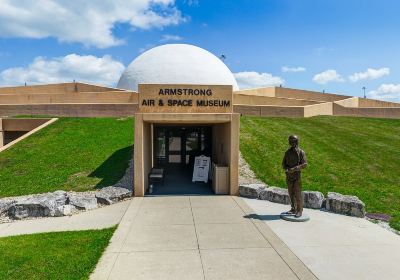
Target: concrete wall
[(8, 138), (70, 110), (1, 134), (270, 91), (244, 99), (376, 112), (349, 102), (55, 88), (12, 129), (363, 103), (318, 109), (307, 95), (76, 97), (270, 111), (22, 124), (221, 143)]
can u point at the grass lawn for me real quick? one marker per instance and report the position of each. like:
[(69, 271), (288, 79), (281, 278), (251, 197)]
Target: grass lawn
[(56, 255), (71, 154), (355, 156)]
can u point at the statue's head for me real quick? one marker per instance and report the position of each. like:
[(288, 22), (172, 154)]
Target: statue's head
[(293, 141)]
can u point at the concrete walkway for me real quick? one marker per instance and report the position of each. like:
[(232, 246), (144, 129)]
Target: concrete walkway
[(335, 246), (104, 217), (196, 237)]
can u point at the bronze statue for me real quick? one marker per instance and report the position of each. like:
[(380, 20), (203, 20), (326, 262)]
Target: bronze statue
[(293, 162)]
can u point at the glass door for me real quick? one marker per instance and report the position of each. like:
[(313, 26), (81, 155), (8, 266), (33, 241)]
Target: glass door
[(175, 152)]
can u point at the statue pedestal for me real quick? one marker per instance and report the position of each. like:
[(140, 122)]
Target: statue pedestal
[(292, 218)]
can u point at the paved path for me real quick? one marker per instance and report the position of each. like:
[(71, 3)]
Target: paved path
[(336, 246), (103, 217), (196, 237)]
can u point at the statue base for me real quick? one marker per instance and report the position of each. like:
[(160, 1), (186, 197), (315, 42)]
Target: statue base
[(291, 217)]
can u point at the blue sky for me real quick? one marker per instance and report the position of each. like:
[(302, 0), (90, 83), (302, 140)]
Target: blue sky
[(324, 45)]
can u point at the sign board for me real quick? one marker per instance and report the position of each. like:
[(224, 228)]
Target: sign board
[(185, 99), (201, 169)]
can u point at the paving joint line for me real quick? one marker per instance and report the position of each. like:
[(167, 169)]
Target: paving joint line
[(197, 239), (126, 237), (272, 245)]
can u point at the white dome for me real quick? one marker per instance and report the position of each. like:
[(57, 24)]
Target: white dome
[(176, 64)]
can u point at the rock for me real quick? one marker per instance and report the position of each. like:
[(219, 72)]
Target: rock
[(42, 205), (110, 195), (251, 190), (127, 180), (246, 175), (312, 199), (345, 204), (83, 201), (5, 205), (65, 210), (275, 194)]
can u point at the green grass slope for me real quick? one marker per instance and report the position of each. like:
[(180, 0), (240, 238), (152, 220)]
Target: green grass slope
[(56, 255), (71, 154), (354, 156)]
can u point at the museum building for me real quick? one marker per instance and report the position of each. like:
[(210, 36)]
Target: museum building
[(187, 107)]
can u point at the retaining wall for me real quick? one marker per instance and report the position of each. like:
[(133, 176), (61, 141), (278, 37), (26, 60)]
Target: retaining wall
[(318, 110), (56, 88), (74, 97), (244, 99), (70, 110), (270, 111), (372, 112)]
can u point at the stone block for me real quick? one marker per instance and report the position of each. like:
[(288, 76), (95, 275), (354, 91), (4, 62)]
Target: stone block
[(42, 205), (65, 210), (312, 199), (275, 194), (345, 204), (83, 201), (251, 190), (5, 205), (110, 195)]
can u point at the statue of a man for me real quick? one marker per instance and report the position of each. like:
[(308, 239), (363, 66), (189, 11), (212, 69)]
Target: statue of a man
[(293, 162)]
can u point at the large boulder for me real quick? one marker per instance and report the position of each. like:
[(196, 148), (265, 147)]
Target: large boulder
[(251, 190), (275, 194), (5, 205), (65, 210), (312, 199), (110, 195), (83, 201), (345, 204), (42, 205)]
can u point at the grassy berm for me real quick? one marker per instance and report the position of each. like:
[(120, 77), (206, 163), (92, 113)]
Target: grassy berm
[(71, 154), (354, 156), (56, 255)]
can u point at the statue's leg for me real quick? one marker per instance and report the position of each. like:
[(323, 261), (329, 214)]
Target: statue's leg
[(291, 195), (299, 198)]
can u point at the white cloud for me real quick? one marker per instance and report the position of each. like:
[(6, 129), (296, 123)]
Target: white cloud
[(254, 79), (191, 2), (328, 76), (390, 92), (169, 37), (87, 68), (88, 22), (293, 69), (369, 74)]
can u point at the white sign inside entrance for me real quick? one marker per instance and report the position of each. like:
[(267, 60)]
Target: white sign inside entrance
[(201, 169)]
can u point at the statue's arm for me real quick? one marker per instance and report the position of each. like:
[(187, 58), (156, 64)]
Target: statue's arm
[(302, 165), (284, 165), (303, 161)]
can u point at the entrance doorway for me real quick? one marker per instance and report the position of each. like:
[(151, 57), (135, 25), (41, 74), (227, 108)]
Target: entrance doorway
[(175, 149)]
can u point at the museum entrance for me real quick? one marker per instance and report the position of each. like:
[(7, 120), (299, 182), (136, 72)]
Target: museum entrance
[(174, 151)]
